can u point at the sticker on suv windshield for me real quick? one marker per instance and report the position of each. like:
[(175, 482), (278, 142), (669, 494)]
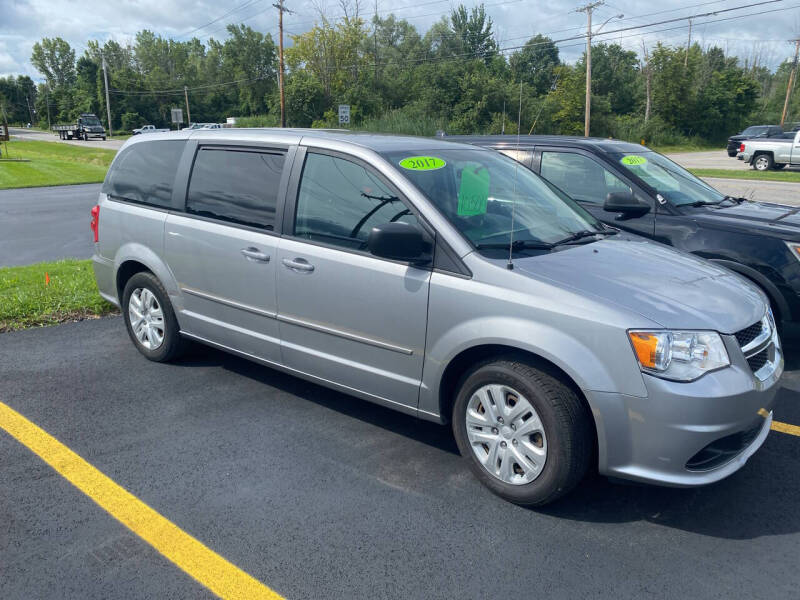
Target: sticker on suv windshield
[(633, 160), (422, 163), (473, 192)]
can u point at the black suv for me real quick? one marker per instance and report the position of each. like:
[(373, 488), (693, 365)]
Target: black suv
[(752, 132), (635, 189)]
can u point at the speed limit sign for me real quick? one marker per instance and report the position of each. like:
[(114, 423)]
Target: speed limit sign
[(344, 114)]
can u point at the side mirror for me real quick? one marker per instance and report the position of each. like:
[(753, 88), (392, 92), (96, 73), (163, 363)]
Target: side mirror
[(399, 241), (625, 203)]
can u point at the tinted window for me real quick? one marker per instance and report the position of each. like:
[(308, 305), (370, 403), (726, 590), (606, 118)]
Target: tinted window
[(580, 177), (145, 172), (339, 202), (523, 156), (236, 185)]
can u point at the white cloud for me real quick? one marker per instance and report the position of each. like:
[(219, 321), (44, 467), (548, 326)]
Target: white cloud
[(26, 21)]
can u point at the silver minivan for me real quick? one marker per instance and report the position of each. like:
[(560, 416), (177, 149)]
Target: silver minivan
[(446, 282)]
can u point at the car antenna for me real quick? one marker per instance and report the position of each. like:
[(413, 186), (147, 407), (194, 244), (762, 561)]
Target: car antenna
[(510, 265)]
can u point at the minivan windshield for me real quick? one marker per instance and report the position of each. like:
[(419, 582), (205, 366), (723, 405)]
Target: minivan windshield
[(481, 192), (667, 178)]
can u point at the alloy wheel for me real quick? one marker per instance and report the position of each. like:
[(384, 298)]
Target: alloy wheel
[(506, 434), (146, 318), (762, 163)]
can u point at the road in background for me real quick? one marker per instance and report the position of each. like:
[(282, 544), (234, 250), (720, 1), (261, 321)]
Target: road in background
[(709, 159), (44, 136), (764, 191), (321, 495), (47, 223)]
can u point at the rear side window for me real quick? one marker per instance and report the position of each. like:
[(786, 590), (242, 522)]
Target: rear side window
[(145, 173), (238, 186)]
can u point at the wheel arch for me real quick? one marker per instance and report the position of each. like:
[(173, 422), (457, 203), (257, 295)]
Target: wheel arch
[(776, 299), (132, 258)]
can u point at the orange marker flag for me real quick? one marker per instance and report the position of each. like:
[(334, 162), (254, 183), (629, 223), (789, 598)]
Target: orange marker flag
[(46, 278)]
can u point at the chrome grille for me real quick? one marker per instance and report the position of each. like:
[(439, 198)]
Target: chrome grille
[(760, 347)]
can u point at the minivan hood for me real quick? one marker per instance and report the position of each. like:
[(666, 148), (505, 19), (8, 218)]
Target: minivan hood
[(676, 290)]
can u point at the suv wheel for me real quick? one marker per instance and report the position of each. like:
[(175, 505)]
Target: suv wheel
[(525, 434), (150, 319), (762, 162)]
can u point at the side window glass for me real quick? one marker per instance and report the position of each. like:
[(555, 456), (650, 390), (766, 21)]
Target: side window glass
[(339, 202), (239, 186), (145, 173), (523, 156), (580, 177)]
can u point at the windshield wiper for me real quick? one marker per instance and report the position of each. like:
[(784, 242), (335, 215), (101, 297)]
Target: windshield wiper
[(537, 245), (579, 235), (517, 245)]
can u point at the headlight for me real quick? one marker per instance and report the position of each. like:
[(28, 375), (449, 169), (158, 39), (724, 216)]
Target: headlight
[(794, 248), (679, 355)]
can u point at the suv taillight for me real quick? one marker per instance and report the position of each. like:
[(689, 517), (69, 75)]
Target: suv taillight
[(741, 148), (95, 224)]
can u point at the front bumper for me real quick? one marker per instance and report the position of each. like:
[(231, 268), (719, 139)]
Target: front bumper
[(687, 434)]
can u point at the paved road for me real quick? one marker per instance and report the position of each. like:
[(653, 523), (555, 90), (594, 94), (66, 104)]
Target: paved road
[(35, 134), (764, 191), (320, 495), (711, 159), (46, 223)]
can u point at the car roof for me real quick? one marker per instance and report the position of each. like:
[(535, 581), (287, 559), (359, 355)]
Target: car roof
[(374, 141), (526, 141)]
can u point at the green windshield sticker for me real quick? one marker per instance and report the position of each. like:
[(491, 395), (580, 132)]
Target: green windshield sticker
[(473, 193), (422, 163), (632, 160)]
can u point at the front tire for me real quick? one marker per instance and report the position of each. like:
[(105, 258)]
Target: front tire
[(150, 319), (762, 162), (524, 433)]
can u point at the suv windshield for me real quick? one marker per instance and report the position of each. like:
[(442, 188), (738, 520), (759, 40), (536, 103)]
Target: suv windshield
[(667, 178), (754, 130), (480, 190)]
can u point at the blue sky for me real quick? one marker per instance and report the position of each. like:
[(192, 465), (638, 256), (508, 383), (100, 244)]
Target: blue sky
[(762, 31)]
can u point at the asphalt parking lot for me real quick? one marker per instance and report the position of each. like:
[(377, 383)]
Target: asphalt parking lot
[(46, 223), (320, 495)]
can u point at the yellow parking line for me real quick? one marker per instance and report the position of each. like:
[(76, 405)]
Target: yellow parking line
[(786, 428), (206, 566)]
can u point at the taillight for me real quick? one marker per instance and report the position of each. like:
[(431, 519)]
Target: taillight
[(95, 224), (741, 148)]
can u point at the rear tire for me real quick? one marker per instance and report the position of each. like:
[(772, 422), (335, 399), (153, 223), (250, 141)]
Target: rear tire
[(532, 442), (762, 162), (732, 154), (150, 318)]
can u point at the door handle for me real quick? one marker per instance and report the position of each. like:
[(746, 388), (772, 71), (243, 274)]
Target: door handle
[(254, 254), (298, 264)]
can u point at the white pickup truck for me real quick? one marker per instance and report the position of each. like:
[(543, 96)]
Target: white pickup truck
[(147, 129), (772, 153)]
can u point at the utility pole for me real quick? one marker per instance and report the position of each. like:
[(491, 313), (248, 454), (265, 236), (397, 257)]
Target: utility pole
[(281, 9), (792, 75), (30, 110), (588, 10), (108, 104), (47, 101), (188, 114), (648, 78), (688, 45)]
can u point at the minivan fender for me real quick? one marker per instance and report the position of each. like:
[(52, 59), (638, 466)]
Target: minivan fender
[(578, 361), (136, 252)]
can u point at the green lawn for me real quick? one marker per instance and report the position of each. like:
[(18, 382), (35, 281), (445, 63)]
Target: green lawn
[(788, 176), (27, 300), (52, 163)]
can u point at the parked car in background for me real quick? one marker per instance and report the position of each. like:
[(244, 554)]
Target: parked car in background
[(87, 126), (754, 131), (448, 282), (192, 126), (148, 129), (635, 189), (210, 126), (775, 153)]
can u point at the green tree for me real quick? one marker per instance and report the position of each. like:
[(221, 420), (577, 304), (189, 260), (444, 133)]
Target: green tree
[(535, 64)]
